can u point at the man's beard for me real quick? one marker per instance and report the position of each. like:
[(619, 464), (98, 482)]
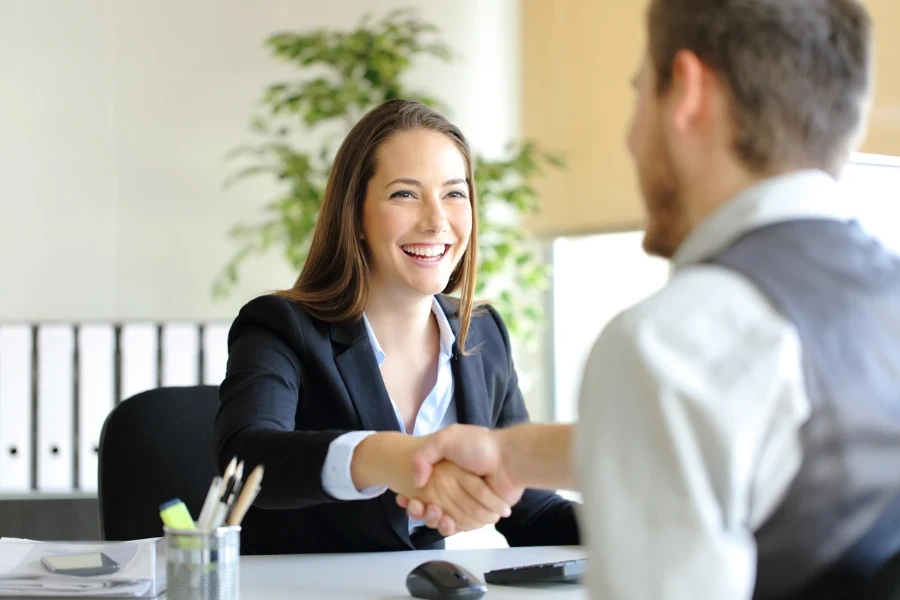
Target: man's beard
[(662, 197)]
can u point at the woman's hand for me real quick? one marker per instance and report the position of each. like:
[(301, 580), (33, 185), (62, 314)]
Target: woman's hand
[(432, 515)]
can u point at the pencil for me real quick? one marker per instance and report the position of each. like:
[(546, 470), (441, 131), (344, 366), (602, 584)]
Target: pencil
[(248, 495)]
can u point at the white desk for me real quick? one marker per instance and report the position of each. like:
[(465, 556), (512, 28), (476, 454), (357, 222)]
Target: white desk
[(382, 575)]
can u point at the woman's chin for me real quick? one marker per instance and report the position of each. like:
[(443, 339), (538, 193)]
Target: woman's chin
[(429, 287)]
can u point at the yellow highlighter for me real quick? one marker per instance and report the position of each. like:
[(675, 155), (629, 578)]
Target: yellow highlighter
[(175, 515)]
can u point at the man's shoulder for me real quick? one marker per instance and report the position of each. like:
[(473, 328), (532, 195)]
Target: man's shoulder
[(698, 291), (699, 307)]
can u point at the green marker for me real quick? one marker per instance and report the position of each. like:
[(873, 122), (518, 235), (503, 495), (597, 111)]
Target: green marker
[(175, 515)]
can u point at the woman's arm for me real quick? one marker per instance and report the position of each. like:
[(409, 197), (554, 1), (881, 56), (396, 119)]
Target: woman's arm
[(257, 418)]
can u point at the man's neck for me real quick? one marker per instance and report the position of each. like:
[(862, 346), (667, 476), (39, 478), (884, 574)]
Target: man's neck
[(399, 322), (722, 179), (704, 195)]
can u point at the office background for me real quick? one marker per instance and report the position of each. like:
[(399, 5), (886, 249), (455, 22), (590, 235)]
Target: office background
[(114, 123)]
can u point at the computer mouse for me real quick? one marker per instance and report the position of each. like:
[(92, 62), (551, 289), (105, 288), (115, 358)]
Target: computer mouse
[(442, 580)]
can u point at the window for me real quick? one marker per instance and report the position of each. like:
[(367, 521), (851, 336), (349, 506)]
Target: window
[(594, 278), (871, 184)]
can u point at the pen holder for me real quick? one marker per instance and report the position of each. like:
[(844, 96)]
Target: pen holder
[(203, 565)]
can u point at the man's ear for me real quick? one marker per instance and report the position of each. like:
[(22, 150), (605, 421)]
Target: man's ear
[(687, 90)]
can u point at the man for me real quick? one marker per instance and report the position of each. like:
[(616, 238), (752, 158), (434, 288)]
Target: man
[(739, 431)]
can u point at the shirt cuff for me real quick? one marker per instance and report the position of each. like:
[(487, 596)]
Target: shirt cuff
[(336, 477)]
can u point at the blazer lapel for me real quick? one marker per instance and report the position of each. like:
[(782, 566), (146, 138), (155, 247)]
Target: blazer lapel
[(473, 406), (359, 369), (472, 402)]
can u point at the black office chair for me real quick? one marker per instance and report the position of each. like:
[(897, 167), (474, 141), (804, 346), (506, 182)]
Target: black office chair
[(885, 585), (155, 446)]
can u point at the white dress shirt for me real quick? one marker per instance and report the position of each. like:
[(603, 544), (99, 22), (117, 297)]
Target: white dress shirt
[(690, 414), (437, 412)]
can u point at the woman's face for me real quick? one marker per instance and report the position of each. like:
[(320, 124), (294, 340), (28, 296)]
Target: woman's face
[(417, 214)]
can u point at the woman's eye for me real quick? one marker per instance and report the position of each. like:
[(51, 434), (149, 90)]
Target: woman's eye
[(456, 194), (402, 194)]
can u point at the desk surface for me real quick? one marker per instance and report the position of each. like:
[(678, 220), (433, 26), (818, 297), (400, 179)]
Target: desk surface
[(382, 576)]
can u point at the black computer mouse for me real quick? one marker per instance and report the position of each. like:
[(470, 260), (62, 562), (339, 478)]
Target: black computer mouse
[(442, 580)]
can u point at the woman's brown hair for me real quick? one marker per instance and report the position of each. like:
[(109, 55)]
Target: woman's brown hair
[(333, 285)]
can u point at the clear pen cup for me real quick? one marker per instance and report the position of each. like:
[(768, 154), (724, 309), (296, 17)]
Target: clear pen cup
[(203, 565)]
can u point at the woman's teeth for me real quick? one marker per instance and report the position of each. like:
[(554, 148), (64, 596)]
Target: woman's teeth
[(425, 251)]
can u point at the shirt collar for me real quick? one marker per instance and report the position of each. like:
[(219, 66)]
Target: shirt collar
[(447, 337), (809, 194)]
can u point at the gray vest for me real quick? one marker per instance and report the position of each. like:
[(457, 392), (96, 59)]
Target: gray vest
[(840, 519)]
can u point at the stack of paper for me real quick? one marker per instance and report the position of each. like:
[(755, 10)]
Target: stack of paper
[(141, 573)]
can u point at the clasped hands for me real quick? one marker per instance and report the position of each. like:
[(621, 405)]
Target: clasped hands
[(459, 480)]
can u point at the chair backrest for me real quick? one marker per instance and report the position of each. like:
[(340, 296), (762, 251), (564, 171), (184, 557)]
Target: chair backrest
[(885, 585), (155, 446)]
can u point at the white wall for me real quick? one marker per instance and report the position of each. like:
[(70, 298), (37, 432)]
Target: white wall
[(114, 120)]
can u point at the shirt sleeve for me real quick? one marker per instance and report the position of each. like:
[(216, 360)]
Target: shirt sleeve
[(336, 478), (690, 411)]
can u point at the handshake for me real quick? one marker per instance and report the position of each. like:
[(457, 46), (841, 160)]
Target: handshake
[(465, 477), (460, 480)]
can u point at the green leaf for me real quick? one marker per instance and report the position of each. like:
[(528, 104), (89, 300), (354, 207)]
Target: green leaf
[(523, 259), (258, 124)]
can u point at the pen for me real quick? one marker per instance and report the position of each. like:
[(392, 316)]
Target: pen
[(220, 491), (210, 503), (223, 504), (248, 495), (238, 477), (239, 482)]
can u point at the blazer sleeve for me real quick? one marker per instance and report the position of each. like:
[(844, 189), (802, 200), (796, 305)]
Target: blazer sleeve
[(258, 402), (541, 518)]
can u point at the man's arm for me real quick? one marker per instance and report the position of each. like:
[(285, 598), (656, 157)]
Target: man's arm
[(537, 455)]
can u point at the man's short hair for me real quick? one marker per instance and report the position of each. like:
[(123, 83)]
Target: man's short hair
[(799, 72)]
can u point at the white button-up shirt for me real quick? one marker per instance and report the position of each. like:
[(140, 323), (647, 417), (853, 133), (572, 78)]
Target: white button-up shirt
[(437, 411), (690, 414)]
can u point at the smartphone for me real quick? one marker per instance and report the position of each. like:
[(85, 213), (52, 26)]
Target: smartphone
[(84, 565)]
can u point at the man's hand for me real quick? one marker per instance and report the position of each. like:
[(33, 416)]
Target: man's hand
[(475, 449)]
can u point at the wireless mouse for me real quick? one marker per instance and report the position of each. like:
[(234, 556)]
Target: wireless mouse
[(442, 580)]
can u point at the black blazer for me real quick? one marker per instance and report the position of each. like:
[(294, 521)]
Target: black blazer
[(295, 383)]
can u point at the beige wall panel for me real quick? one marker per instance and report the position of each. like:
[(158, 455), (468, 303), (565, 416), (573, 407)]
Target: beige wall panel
[(577, 59)]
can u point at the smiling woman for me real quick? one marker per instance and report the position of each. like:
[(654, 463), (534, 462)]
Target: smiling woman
[(332, 384)]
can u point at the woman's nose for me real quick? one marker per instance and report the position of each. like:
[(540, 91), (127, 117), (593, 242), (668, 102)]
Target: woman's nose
[(434, 218)]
